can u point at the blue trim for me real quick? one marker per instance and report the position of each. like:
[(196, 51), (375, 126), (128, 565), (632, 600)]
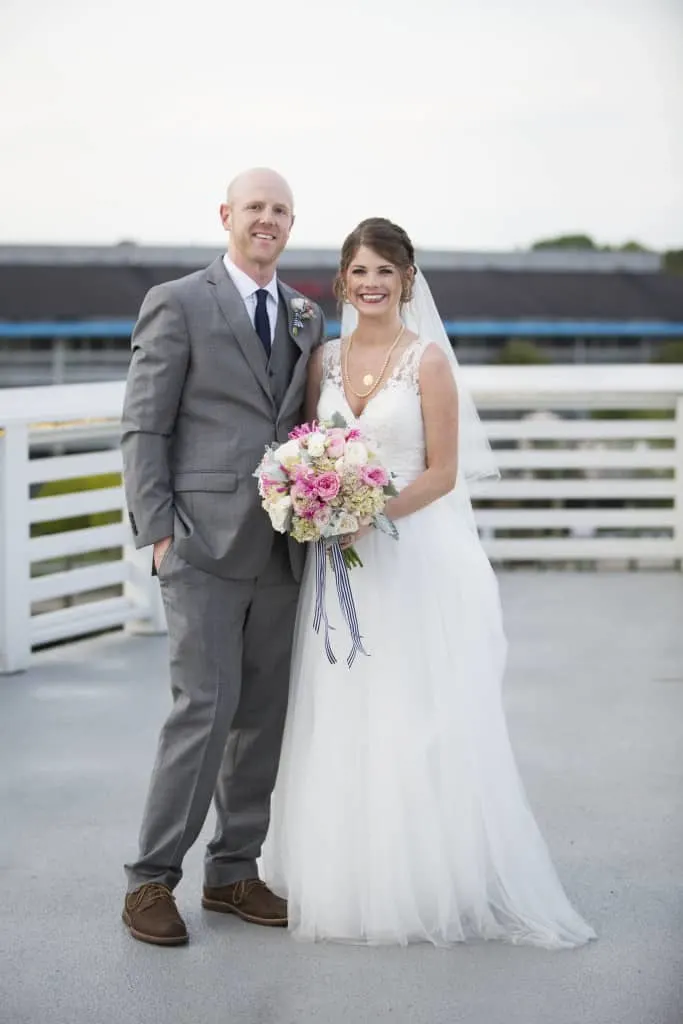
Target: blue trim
[(566, 328), (68, 329), (553, 329), (456, 329)]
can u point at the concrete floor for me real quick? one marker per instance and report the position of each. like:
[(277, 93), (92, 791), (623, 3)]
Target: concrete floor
[(595, 701)]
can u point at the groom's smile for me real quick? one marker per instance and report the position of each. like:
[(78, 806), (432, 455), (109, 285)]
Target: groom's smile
[(264, 236), (265, 247)]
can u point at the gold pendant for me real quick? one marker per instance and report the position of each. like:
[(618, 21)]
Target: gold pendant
[(368, 380)]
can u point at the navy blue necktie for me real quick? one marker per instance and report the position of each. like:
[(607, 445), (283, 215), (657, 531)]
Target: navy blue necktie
[(261, 321)]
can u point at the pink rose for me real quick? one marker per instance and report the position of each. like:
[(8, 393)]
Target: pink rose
[(374, 476), (327, 486), (353, 434), (336, 442)]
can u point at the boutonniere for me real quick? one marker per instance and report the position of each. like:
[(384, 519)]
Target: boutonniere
[(302, 310)]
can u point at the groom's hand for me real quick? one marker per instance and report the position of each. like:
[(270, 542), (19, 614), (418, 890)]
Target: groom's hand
[(160, 549)]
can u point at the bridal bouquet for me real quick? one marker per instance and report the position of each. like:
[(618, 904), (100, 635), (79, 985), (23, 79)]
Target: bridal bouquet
[(323, 483)]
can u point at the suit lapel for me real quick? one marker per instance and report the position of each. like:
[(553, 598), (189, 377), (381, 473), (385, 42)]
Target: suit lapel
[(233, 309)]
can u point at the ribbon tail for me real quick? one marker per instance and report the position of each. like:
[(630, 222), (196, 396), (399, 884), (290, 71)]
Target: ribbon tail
[(347, 603), (320, 611)]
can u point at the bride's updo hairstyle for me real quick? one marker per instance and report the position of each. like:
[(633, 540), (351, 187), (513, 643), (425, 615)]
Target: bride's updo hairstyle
[(389, 241)]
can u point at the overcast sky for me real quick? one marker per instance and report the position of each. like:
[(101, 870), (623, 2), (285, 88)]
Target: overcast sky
[(480, 124)]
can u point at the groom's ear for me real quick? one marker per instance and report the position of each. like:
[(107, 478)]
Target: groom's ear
[(224, 211)]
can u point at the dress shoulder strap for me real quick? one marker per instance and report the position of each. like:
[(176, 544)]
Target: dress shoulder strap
[(408, 371)]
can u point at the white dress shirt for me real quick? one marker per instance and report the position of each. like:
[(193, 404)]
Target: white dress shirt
[(248, 288)]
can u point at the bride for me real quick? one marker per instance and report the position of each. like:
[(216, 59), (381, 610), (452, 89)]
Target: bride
[(399, 815)]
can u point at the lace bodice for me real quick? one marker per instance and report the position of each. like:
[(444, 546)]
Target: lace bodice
[(392, 418)]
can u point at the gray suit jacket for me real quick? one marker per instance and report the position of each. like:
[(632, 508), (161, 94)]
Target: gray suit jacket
[(202, 402)]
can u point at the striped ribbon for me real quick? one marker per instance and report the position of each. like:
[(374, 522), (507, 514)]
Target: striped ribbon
[(345, 595), (320, 612)]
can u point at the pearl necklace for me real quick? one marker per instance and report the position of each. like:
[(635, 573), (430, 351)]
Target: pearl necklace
[(368, 380)]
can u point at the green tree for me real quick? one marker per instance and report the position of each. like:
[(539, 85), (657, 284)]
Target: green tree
[(587, 244), (521, 351), (631, 247), (673, 261), (670, 352), (566, 242)]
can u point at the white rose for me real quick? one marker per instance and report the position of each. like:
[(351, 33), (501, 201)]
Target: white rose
[(347, 523), (279, 512), (316, 445), (287, 451), (356, 453)]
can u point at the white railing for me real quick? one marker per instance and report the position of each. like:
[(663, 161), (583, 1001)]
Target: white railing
[(592, 465), (592, 472), (69, 583)]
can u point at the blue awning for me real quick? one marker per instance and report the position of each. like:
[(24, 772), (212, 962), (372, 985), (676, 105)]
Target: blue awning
[(114, 328)]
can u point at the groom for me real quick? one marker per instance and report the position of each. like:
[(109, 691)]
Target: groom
[(218, 371)]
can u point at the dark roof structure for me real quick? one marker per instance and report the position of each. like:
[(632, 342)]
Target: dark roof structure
[(54, 288)]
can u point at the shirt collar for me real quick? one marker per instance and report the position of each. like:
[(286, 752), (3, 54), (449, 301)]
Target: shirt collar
[(246, 285)]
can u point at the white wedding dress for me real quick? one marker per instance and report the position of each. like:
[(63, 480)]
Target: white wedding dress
[(399, 814)]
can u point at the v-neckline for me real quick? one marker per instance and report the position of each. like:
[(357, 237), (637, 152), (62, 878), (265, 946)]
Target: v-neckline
[(342, 386)]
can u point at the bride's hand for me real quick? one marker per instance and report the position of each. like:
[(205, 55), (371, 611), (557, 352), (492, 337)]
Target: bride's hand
[(349, 539)]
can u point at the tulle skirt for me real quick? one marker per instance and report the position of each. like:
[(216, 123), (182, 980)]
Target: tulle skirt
[(399, 814)]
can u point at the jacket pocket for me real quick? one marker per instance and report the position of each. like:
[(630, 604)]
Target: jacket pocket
[(206, 480)]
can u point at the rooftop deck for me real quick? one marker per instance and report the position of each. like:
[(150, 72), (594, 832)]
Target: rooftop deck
[(595, 702)]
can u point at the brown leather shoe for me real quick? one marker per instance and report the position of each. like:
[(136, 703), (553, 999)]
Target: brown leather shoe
[(152, 916), (250, 899)]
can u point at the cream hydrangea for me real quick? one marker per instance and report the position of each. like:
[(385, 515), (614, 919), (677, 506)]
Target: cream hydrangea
[(304, 530)]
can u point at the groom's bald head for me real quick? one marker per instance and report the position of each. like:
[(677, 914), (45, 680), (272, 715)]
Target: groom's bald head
[(259, 179), (258, 215)]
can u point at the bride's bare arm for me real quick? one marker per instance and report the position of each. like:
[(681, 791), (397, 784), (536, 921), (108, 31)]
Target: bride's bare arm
[(440, 416), (313, 382)]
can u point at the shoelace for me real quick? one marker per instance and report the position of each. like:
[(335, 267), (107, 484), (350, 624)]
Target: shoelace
[(247, 886), (152, 894)]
